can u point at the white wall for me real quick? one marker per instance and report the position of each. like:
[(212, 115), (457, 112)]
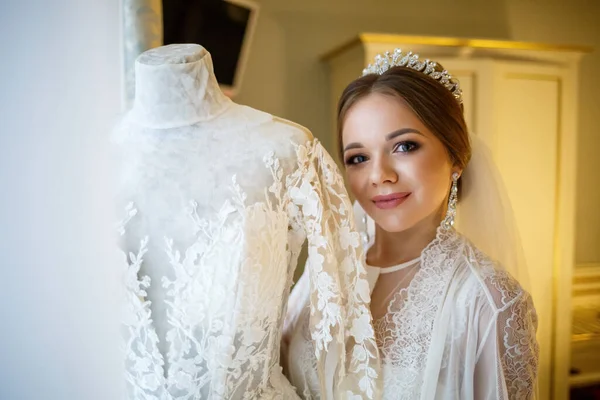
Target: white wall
[(285, 77), (59, 96)]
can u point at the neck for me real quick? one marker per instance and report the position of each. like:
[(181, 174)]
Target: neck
[(175, 86), (392, 248)]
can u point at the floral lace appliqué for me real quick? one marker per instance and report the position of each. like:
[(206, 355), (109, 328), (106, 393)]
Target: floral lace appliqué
[(225, 298)]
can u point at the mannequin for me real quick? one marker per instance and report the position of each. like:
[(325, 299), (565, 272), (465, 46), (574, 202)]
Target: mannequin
[(218, 200)]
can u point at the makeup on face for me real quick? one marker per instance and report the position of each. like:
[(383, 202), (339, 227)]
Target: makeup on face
[(395, 167), (386, 202)]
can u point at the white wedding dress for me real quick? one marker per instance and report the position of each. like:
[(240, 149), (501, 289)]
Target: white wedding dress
[(449, 325), (219, 199)]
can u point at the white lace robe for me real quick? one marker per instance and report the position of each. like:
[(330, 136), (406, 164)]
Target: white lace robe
[(460, 329), (215, 219)]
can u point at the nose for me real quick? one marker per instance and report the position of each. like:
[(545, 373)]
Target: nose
[(383, 172)]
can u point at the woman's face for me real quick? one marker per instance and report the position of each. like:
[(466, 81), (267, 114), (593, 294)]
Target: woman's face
[(397, 169)]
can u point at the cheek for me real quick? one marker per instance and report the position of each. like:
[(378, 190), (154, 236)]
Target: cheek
[(357, 181), (430, 179)]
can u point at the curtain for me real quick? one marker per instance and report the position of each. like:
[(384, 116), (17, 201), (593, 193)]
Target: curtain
[(142, 30)]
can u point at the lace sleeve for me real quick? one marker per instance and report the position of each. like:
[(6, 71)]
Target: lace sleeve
[(340, 320), (519, 353), (508, 361)]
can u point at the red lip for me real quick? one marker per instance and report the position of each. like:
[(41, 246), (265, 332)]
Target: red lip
[(390, 200)]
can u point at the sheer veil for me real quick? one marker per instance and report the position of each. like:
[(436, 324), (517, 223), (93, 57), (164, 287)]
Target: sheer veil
[(485, 214)]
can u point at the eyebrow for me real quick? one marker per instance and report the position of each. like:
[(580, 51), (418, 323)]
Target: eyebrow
[(388, 137), (402, 131)]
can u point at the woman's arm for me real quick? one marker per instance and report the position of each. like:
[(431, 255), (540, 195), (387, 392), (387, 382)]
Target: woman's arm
[(508, 359)]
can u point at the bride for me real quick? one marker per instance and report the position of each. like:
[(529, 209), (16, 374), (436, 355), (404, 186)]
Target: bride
[(450, 320)]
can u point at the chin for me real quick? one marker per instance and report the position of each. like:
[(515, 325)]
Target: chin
[(394, 222)]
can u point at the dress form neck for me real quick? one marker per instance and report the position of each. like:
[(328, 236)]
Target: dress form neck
[(175, 86)]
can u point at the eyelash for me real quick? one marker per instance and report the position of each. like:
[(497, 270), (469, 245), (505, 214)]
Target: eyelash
[(412, 146), (352, 159)]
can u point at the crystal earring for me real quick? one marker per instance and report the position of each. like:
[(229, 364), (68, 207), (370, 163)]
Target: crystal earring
[(448, 222)]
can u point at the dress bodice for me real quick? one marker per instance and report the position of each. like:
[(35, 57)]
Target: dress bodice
[(216, 214), (454, 325)]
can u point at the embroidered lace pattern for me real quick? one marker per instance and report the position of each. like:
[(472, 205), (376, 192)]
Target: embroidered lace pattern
[(227, 293), (404, 333), (516, 330)]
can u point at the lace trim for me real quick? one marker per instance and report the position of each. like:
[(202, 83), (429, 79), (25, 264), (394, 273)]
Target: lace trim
[(517, 327), (404, 333)]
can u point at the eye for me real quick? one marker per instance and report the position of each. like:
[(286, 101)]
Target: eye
[(356, 159), (406, 147)]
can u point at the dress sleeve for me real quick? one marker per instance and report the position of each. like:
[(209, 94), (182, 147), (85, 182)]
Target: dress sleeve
[(508, 362), (340, 321), (519, 352)]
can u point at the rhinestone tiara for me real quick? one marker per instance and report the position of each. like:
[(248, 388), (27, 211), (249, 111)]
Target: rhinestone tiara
[(385, 61)]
